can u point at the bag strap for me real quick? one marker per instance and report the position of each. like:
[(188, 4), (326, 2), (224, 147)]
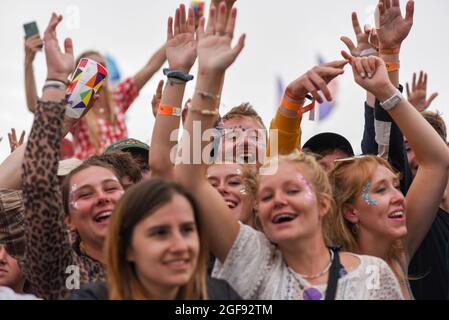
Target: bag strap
[(334, 275)]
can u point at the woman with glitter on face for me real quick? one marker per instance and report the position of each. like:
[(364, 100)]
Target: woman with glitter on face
[(52, 265), (290, 260), (373, 216)]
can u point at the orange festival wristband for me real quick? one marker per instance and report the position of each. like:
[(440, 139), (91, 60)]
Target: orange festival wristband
[(166, 110)]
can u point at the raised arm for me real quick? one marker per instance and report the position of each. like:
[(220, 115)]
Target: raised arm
[(181, 55), (292, 107), (393, 29), (153, 65), (44, 215), (367, 45), (32, 46), (417, 92), (215, 55), (426, 191)]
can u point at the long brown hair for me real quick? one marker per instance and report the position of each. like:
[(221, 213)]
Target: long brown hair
[(109, 109), (139, 202)]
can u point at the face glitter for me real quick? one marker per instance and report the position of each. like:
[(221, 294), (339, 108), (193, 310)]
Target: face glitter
[(308, 188), (365, 195)]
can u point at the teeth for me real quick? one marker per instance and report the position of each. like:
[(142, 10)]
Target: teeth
[(103, 215), (283, 218), (231, 204), (398, 214)]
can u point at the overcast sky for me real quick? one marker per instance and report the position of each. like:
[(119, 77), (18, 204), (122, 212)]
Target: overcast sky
[(284, 38)]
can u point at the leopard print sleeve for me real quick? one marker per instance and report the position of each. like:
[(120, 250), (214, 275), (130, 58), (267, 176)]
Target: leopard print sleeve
[(48, 251)]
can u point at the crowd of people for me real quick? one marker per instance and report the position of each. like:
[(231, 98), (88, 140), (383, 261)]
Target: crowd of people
[(234, 209)]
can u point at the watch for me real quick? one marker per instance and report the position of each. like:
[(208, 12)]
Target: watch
[(393, 101)]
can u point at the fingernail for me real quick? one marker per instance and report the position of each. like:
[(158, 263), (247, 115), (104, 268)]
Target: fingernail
[(363, 75), (370, 75)]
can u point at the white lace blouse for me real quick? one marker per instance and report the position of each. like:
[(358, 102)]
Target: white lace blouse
[(255, 268)]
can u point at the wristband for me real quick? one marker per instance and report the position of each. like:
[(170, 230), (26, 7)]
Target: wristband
[(54, 84), (176, 74), (390, 51), (368, 52), (392, 66), (166, 110), (393, 101)]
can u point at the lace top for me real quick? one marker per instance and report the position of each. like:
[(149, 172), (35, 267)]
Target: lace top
[(255, 268)]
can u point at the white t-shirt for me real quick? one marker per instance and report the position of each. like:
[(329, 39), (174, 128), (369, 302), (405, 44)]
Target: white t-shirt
[(255, 268), (7, 293)]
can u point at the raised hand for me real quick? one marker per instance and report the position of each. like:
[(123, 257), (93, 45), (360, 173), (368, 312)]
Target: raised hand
[(59, 64), (215, 53), (157, 97), (181, 42), (13, 143), (392, 27), (316, 80), (418, 95), (366, 39), (32, 45), (371, 74)]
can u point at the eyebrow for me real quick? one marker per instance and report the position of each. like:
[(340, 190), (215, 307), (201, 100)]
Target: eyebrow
[(102, 182), (167, 226)]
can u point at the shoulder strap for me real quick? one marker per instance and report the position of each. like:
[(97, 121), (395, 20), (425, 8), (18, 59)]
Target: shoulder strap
[(334, 275)]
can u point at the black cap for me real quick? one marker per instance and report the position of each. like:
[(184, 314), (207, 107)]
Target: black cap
[(329, 141)]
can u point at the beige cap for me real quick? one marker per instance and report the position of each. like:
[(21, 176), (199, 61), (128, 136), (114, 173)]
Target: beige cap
[(66, 166)]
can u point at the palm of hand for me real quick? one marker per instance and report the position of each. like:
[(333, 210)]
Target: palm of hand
[(362, 44), (393, 28), (181, 50), (215, 52), (418, 99)]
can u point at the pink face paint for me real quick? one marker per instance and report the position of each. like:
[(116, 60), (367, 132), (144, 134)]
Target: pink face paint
[(307, 187), (73, 204)]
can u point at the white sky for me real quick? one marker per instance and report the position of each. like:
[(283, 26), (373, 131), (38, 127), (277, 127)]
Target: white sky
[(284, 38)]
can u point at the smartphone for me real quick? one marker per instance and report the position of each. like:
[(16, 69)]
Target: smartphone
[(30, 29)]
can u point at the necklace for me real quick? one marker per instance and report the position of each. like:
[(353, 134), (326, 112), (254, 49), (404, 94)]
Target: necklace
[(311, 293), (322, 273)]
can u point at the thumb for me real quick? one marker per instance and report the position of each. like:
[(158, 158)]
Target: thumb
[(410, 10), (239, 47), (347, 56), (432, 97), (68, 46)]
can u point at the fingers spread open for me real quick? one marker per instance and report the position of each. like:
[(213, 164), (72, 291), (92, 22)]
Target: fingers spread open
[(169, 28), (410, 10), (431, 98), (191, 21), (348, 42), (182, 18), (221, 19), (230, 27), (210, 29), (356, 24), (177, 22)]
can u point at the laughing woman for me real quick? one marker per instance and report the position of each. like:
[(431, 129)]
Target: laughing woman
[(155, 249), (290, 260), (374, 217)]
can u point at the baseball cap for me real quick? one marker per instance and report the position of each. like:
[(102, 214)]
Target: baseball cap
[(128, 145), (329, 141)]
